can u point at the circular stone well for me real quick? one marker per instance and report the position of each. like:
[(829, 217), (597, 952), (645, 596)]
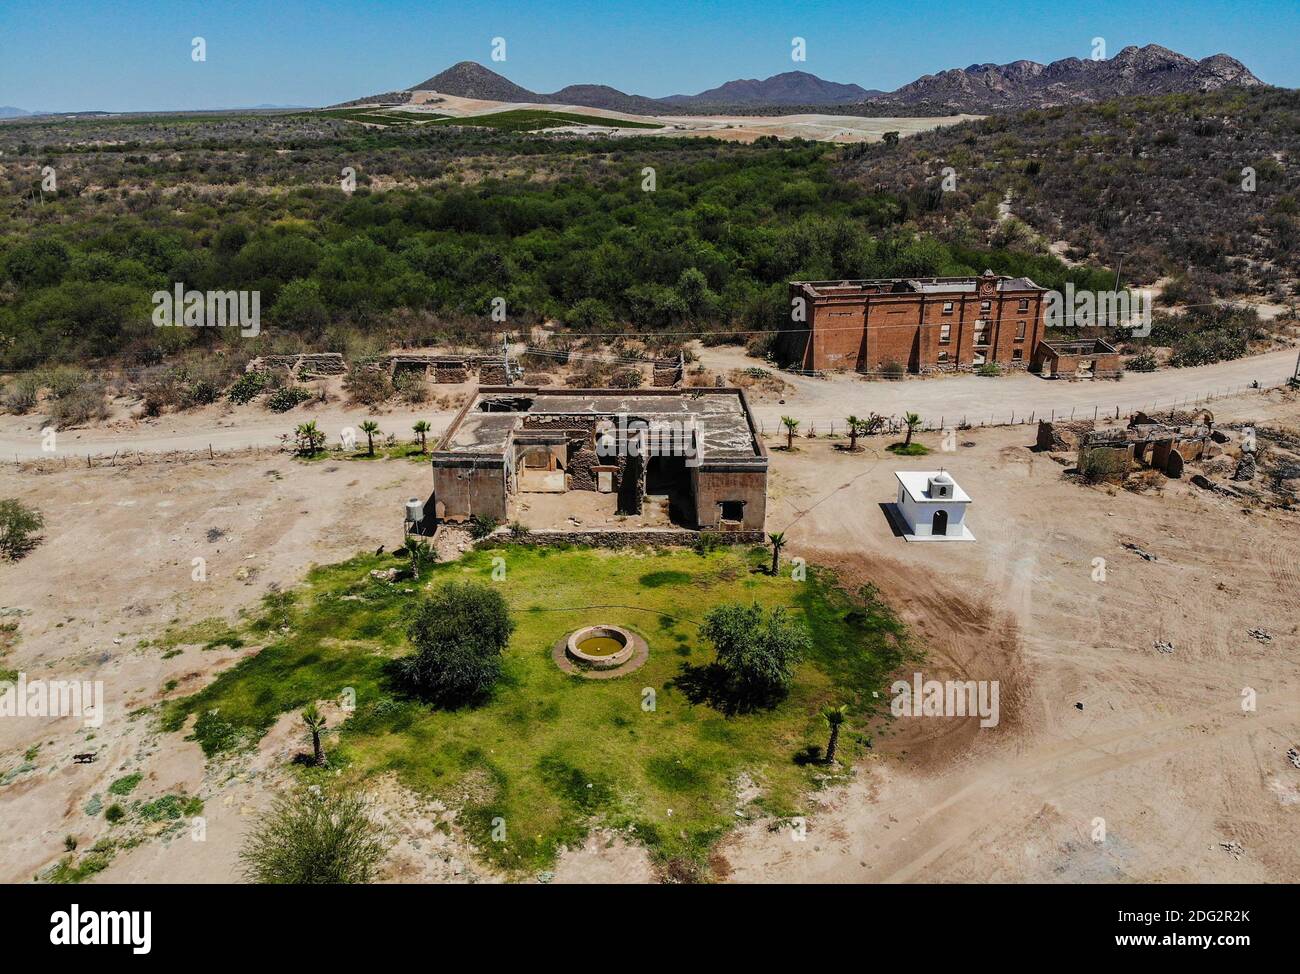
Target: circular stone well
[(600, 647), (600, 652)]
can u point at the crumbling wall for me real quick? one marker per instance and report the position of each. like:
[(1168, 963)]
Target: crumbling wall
[(309, 365), (631, 484), (581, 462), (1062, 434), (666, 374)]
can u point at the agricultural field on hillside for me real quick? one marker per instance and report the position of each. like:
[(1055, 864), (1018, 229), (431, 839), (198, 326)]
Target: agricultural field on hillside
[(533, 119)]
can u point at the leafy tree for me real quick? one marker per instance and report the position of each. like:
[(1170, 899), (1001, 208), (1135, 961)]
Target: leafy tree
[(756, 651), (370, 428), (834, 718), (459, 634), (19, 525), (315, 721), (312, 838), (791, 427), (421, 429), (38, 263)]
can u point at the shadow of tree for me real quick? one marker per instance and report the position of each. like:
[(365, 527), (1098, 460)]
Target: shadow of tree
[(711, 684)]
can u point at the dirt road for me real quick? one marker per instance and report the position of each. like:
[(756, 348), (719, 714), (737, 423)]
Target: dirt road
[(814, 402), (950, 399)]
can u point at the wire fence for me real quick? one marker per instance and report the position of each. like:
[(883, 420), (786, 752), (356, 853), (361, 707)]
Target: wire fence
[(807, 426), (1096, 412)]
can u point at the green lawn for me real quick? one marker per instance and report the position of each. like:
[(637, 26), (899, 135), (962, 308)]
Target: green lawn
[(553, 754), (531, 119)]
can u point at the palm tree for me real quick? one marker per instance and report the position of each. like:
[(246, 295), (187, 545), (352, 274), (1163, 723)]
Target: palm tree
[(370, 428), (420, 429), (308, 436), (315, 721), (855, 428), (913, 421), (791, 425), (834, 717), (420, 552), (778, 542)]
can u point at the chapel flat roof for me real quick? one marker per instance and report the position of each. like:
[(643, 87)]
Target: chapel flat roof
[(917, 485)]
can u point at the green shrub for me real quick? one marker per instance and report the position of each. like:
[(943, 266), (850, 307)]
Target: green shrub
[(309, 839), (1143, 361), (284, 399), (893, 370), (367, 386), (1098, 465), (21, 395), (81, 405), (124, 785), (481, 525), (114, 813), (411, 386), (19, 525), (247, 387), (989, 369)]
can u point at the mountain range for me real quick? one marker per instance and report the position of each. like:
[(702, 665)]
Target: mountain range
[(979, 88)]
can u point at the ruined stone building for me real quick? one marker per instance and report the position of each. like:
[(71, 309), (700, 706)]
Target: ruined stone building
[(700, 447), (1146, 442), (928, 324), (1090, 358)]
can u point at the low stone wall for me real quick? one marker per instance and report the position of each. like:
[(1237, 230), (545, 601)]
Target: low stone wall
[(309, 365), (650, 537)]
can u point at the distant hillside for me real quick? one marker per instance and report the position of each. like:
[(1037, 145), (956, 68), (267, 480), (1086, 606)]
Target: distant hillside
[(790, 88), (979, 89), (469, 79), (1150, 70), (1157, 179)]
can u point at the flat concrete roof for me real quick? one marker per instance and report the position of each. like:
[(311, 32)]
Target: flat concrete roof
[(917, 485), (913, 285), (487, 423)]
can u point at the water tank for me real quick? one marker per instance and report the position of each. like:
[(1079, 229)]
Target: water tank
[(414, 511)]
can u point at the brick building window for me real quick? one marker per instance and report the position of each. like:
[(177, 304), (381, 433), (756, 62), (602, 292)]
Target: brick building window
[(945, 334), (977, 358), (986, 305), (943, 356), (732, 510), (1020, 331), (981, 335), (947, 307), (1024, 304), (1018, 354)]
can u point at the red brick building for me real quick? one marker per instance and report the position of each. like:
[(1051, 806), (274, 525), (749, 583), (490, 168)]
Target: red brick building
[(927, 324)]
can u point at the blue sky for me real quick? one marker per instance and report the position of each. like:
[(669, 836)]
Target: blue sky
[(124, 55)]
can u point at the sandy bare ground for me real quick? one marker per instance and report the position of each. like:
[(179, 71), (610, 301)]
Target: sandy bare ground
[(1160, 754), (1162, 751), (734, 128)]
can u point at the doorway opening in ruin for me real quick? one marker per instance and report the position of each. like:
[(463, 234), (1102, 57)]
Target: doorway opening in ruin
[(939, 525), (541, 469), (668, 484)]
